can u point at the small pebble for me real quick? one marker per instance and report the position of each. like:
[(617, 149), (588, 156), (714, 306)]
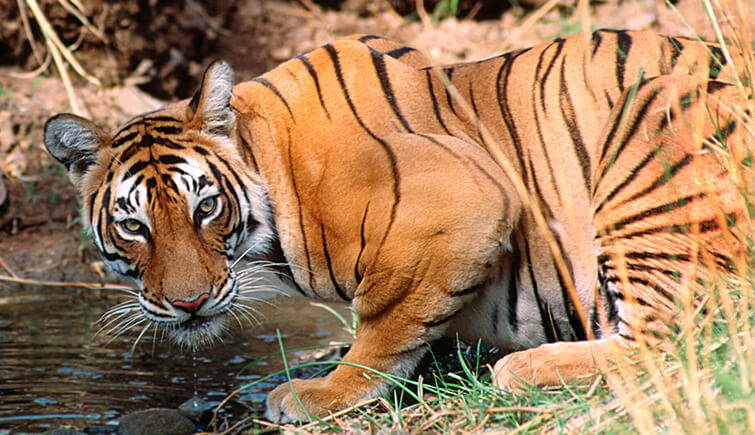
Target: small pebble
[(196, 409), (156, 421)]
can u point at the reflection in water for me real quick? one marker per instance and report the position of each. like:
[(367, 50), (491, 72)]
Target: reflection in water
[(54, 370)]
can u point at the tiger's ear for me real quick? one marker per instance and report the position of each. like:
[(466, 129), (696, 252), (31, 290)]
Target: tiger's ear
[(212, 101), (74, 142)]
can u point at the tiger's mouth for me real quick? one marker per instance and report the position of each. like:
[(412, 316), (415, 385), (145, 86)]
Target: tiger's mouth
[(198, 331)]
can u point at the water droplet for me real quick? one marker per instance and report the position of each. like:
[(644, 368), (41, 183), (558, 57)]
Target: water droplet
[(194, 371)]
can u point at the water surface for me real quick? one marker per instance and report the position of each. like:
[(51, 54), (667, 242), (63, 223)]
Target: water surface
[(55, 371)]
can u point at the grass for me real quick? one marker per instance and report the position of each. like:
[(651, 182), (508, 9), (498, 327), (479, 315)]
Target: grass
[(707, 390)]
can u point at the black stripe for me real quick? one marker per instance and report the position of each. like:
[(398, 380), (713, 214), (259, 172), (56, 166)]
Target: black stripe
[(645, 282), (569, 305), (629, 133), (646, 255), (722, 134), (624, 44), (366, 38), (502, 96), (550, 329), (167, 129), (267, 84), (639, 267), (333, 280), (716, 63), (449, 72), (168, 181), (559, 43), (468, 291), (477, 116), (395, 176), (632, 175), (134, 169), (609, 101), (120, 140), (152, 312), (170, 159), (121, 202), (513, 290), (662, 179), (362, 244), (436, 108), (620, 296), (397, 53), (159, 119), (312, 73), (676, 50), (236, 178), (538, 128), (168, 143), (378, 61), (715, 86), (437, 322), (135, 186), (129, 152), (704, 226), (106, 223), (570, 117), (653, 211), (596, 40), (302, 231)]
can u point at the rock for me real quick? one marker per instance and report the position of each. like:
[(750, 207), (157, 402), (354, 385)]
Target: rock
[(197, 409), (156, 421)]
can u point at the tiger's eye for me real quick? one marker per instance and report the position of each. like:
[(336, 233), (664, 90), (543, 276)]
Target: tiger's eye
[(207, 206), (132, 226)]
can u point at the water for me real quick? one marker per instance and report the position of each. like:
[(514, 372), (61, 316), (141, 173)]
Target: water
[(54, 371)]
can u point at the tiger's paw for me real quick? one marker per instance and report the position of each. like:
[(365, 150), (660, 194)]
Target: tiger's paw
[(312, 400), (514, 371), (315, 398), (547, 365)]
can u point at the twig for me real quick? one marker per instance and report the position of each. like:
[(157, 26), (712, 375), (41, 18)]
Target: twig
[(64, 77), (77, 12), (333, 416), (27, 29), (89, 285), (312, 8), (32, 74), (427, 23), (529, 22), (532, 409), (8, 269), (57, 45)]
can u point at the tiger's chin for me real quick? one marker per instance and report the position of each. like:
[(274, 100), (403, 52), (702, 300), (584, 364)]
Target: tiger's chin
[(198, 331)]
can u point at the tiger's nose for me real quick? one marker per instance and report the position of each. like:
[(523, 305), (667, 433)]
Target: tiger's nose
[(193, 305)]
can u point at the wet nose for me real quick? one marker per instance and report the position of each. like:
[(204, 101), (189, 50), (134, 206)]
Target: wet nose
[(192, 306)]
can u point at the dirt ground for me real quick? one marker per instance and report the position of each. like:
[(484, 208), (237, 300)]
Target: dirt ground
[(145, 52)]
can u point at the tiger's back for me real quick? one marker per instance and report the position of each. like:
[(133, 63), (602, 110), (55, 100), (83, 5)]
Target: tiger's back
[(523, 213)]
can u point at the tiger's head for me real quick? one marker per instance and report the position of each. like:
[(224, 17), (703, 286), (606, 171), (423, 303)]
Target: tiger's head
[(171, 201)]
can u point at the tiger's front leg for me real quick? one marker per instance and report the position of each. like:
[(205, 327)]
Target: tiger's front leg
[(389, 340)]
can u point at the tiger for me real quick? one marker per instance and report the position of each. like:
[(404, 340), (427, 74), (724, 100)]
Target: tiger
[(553, 202)]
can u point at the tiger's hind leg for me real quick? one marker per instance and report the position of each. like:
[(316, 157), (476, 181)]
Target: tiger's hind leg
[(666, 213)]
